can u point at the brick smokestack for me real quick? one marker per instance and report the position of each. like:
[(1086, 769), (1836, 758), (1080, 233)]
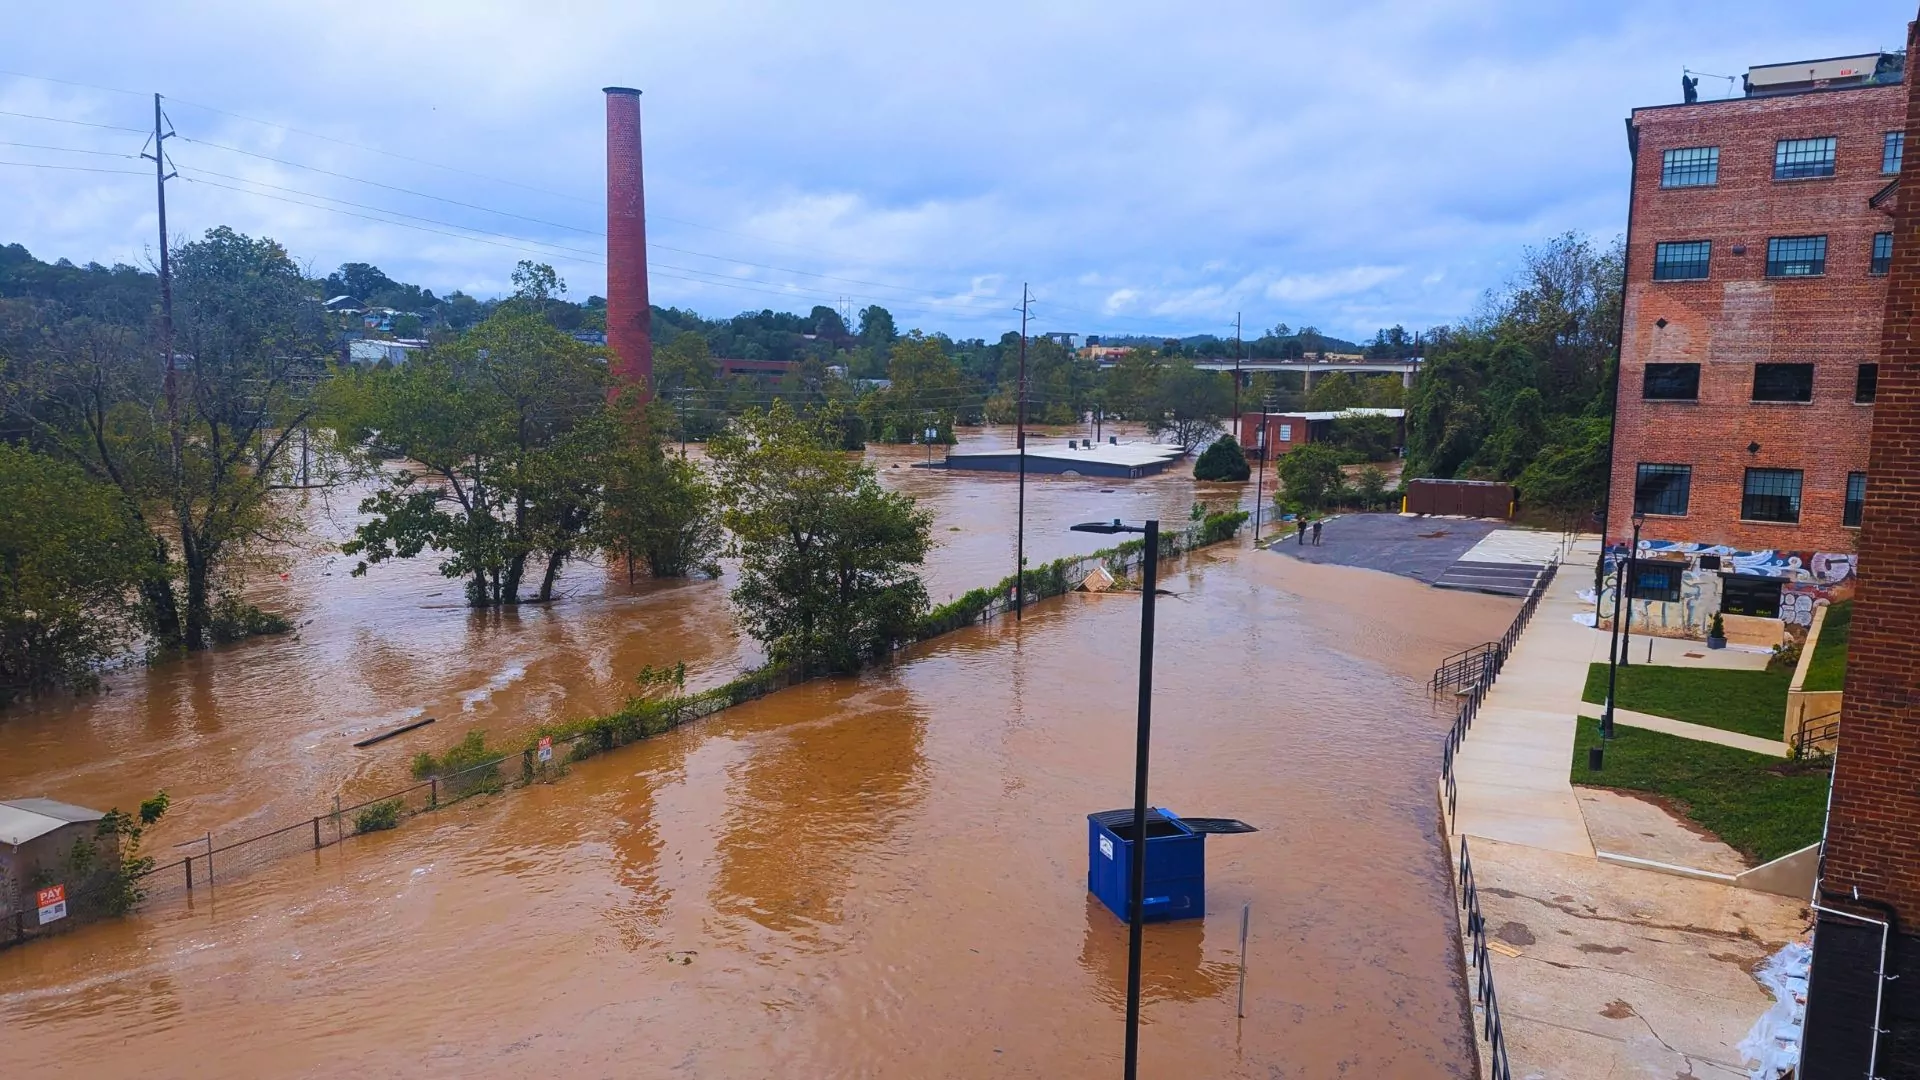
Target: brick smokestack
[(629, 314), (1872, 865)]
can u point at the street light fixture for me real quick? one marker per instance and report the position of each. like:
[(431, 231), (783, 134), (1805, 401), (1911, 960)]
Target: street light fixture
[(1137, 891), (1622, 582)]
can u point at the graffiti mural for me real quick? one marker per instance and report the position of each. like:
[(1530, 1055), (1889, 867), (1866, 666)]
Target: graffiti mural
[(1819, 567), (1809, 580), (1797, 602)]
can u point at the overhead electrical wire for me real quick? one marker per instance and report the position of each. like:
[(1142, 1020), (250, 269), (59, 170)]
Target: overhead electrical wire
[(725, 279), (76, 123), (71, 150), (74, 168), (70, 82)]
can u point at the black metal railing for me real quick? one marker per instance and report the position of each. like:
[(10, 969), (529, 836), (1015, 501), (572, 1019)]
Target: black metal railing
[(1459, 671), (1464, 668), (1813, 731), (1472, 673), (1477, 953)]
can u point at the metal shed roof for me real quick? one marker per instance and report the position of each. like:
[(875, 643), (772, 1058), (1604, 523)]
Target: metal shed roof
[(22, 820)]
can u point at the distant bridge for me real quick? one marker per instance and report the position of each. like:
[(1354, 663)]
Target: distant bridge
[(1313, 369)]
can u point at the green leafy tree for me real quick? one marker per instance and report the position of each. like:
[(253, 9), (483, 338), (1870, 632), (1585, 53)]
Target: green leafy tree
[(1133, 384), (199, 466), (687, 379), (1365, 438), (71, 558), (1372, 487), (926, 392), (505, 425), (877, 329), (1310, 475), (1334, 392), (1569, 476), (1188, 403), (1222, 461), (658, 511), (827, 556)]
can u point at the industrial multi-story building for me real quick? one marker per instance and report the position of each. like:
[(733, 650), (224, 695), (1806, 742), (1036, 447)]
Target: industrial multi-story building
[(1758, 243)]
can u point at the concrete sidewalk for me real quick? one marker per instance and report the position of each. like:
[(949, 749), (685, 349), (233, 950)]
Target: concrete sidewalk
[(1604, 970), (1512, 769), (1698, 732)]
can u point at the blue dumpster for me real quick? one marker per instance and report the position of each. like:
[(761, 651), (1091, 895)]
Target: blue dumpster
[(1176, 861)]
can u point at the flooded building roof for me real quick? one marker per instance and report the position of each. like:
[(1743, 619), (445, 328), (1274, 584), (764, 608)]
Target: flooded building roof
[(22, 820), (1097, 459)]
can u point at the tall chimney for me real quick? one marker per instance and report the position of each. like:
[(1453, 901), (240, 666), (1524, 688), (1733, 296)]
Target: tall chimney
[(629, 316)]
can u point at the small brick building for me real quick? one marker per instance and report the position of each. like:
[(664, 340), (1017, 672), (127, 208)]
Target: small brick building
[(1290, 431), (1758, 244)]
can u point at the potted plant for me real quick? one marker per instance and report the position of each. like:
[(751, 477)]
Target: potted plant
[(1717, 633)]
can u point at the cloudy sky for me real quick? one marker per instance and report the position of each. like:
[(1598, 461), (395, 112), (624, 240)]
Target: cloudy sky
[(1148, 167)]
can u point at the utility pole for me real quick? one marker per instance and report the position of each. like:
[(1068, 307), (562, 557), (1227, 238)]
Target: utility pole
[(1260, 478), (160, 178), (1236, 374), (1020, 438)]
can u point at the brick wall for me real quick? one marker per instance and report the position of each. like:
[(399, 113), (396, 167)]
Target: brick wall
[(1873, 832), (1738, 316), (629, 314)]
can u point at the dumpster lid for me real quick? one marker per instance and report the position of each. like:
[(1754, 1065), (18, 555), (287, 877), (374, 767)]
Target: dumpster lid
[(1121, 821), (1159, 823), (1216, 825)]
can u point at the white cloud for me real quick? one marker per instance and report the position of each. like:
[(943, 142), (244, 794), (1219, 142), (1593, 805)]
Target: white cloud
[(1391, 155), (1345, 281)]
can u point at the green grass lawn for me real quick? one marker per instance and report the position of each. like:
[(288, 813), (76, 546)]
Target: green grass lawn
[(1763, 807), (1749, 702), (1828, 668)]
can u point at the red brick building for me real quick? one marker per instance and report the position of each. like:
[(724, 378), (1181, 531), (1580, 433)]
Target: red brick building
[(1758, 244), (1290, 431), (1863, 996)]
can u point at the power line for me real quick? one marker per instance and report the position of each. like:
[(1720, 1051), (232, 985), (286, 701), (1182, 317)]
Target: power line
[(70, 82), (71, 150), (76, 123), (389, 187), (384, 153), (505, 213), (385, 210), (1139, 320), (72, 168), (520, 244)]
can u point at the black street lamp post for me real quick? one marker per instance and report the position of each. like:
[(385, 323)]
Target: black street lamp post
[(1622, 584), (1137, 890)]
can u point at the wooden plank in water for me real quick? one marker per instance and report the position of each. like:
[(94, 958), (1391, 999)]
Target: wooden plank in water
[(391, 732)]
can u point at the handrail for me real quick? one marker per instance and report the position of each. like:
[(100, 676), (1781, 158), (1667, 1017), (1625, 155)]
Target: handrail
[(1475, 687), (1495, 1034), (1807, 735)]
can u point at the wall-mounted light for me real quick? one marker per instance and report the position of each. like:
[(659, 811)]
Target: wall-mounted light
[(1739, 249), (1661, 323), (1753, 448)]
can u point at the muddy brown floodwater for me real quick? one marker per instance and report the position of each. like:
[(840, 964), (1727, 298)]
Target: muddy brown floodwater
[(872, 876)]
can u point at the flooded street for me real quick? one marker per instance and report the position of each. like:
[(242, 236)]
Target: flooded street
[(874, 876)]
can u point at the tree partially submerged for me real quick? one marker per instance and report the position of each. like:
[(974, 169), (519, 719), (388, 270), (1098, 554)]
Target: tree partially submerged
[(1222, 461), (71, 559), (498, 431), (658, 511), (199, 466), (827, 556), (1309, 476)]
